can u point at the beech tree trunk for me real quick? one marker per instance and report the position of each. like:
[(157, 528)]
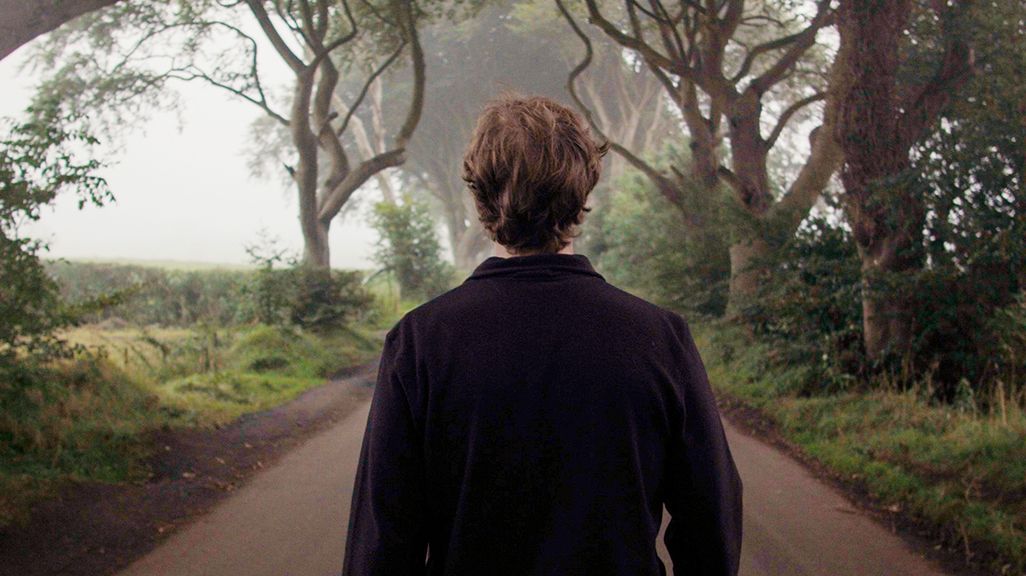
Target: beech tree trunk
[(882, 219), (751, 183), (745, 274), (23, 20), (316, 251), (880, 120)]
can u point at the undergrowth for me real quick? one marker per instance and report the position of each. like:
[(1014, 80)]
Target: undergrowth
[(957, 470)]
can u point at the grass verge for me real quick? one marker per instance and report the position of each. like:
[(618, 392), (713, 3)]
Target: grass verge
[(960, 474), (85, 419)]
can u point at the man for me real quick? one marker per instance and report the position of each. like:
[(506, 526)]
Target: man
[(535, 419)]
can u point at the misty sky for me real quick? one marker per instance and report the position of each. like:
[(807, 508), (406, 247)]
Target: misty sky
[(184, 196)]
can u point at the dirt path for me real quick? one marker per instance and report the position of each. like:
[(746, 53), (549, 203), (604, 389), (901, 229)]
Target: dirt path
[(291, 520), (288, 520)]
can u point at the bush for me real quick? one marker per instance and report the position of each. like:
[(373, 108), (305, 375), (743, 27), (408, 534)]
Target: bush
[(296, 295), (325, 299), (810, 310), (300, 295), (408, 248), (648, 247), (151, 295), (37, 162)]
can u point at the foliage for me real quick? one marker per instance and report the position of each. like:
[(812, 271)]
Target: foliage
[(149, 295), (325, 299), (960, 474), (408, 247), (39, 159), (142, 295), (646, 244), (301, 296), (86, 418), (810, 309), (268, 288), (973, 169)]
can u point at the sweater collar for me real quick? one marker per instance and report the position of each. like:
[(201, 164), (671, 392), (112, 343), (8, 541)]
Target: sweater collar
[(541, 265)]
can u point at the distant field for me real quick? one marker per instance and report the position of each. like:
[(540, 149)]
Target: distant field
[(167, 264)]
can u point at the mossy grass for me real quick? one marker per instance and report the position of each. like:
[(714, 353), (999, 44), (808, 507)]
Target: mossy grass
[(85, 418)]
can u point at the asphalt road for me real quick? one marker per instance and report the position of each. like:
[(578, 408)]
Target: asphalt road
[(290, 520)]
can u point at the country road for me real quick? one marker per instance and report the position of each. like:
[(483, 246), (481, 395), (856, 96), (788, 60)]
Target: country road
[(290, 520)]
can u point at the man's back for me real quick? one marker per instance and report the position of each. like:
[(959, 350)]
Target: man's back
[(534, 420)]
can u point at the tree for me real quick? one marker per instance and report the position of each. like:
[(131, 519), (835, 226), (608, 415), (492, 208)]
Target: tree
[(408, 248), (23, 21), (37, 162), (726, 61), (881, 118), (503, 46), (134, 51), (470, 63)]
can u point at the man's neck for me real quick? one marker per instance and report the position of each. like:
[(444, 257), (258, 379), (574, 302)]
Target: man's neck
[(500, 250)]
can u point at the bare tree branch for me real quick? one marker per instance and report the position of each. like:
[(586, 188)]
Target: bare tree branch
[(416, 108), (666, 185), (634, 43), (264, 19), (806, 38), (791, 110), (337, 197), (366, 85)]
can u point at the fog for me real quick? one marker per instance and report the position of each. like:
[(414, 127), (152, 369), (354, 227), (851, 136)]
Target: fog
[(174, 189)]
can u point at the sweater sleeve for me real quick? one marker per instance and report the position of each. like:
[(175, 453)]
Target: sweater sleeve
[(704, 491), (387, 523)]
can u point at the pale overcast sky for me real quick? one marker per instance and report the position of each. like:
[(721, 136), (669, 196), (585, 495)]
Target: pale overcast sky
[(183, 196)]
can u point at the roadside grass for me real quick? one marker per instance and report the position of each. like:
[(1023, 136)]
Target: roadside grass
[(261, 368), (68, 420), (959, 472), (84, 419)]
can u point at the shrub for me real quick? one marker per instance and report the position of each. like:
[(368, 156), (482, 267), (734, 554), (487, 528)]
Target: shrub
[(408, 248), (37, 162), (325, 299), (810, 309), (647, 246)]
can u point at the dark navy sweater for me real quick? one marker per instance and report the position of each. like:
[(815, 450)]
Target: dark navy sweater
[(533, 421)]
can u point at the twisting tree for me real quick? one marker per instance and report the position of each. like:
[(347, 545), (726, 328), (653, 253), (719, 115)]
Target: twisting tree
[(883, 114), (502, 48), (134, 50), (724, 60)]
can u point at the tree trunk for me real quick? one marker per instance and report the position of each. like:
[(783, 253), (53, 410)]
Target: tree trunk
[(745, 275), (316, 250), (751, 184), (890, 254), (886, 324), (878, 125)]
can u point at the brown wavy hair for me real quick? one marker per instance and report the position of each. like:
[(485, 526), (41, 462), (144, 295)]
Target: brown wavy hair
[(530, 165)]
